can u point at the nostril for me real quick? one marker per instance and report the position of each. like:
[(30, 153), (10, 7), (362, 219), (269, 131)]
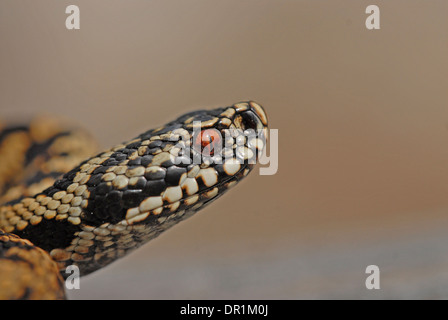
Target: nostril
[(259, 111), (251, 121)]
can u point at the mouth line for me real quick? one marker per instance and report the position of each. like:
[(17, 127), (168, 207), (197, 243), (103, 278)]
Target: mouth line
[(150, 217)]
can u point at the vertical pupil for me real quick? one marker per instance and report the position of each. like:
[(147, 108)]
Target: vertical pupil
[(208, 139), (207, 143)]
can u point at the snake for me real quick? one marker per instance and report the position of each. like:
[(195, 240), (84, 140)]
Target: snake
[(64, 204)]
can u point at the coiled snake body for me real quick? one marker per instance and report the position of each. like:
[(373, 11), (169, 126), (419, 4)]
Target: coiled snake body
[(58, 209)]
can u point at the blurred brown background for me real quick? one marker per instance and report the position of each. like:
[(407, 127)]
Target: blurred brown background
[(363, 128)]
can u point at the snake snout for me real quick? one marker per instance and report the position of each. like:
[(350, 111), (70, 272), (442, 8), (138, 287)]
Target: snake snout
[(259, 113), (251, 116)]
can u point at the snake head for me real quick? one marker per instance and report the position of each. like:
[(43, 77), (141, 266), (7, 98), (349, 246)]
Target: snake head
[(193, 160), (123, 197)]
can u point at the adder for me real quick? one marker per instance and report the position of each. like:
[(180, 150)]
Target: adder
[(61, 206)]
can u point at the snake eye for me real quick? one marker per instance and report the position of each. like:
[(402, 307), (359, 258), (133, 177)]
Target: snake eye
[(208, 141)]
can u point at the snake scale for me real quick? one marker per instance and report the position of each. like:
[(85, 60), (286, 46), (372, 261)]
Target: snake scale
[(61, 206)]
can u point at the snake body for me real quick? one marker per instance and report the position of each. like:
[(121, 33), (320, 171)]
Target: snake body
[(59, 209)]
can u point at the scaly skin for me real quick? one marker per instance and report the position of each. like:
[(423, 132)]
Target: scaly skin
[(121, 198), (27, 272)]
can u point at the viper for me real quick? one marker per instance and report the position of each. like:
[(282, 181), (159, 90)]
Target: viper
[(60, 206)]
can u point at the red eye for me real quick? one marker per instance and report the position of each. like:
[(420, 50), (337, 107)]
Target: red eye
[(208, 141)]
